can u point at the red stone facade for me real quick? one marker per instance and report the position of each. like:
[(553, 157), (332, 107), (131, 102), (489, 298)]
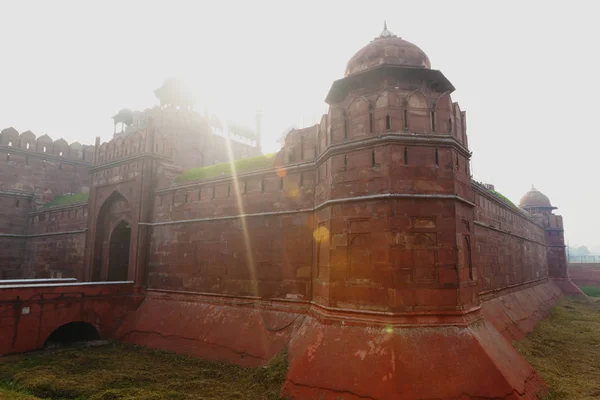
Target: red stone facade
[(368, 225), (33, 171)]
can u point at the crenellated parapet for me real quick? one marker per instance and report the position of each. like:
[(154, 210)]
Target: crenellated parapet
[(142, 142), (27, 144), (71, 218), (300, 146)]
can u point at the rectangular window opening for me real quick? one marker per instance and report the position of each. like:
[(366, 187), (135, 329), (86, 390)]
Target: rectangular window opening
[(405, 120), (388, 123), (406, 156), (345, 128), (433, 121), (437, 159)]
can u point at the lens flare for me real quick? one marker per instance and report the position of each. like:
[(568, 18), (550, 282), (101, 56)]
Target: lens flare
[(280, 172), (321, 234), (293, 192)]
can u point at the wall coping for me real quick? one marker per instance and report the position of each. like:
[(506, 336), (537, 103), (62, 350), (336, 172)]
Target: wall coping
[(324, 204), (49, 280), (16, 235), (43, 210), (45, 156), (17, 193), (66, 284)]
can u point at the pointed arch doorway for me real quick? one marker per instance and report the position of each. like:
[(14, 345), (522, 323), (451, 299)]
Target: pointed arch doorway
[(118, 256), (112, 240)]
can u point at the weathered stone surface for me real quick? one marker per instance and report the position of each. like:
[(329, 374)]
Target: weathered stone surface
[(366, 249)]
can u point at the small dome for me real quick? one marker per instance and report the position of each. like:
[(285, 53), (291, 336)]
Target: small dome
[(387, 49), (535, 198)]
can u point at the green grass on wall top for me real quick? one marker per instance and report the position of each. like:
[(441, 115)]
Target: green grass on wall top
[(225, 169)]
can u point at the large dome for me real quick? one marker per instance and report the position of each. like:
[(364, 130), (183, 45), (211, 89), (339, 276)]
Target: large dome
[(387, 49), (535, 198)]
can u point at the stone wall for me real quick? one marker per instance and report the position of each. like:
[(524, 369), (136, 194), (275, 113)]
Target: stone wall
[(56, 242), (42, 166), (14, 209), (200, 243), (510, 245), (585, 274)]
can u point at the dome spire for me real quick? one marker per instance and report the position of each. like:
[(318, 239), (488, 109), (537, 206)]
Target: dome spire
[(385, 33)]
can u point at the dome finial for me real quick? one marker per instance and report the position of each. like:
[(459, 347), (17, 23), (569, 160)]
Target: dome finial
[(385, 33)]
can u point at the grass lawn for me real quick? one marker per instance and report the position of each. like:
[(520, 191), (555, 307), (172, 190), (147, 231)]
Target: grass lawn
[(565, 350), (591, 291), (119, 371)]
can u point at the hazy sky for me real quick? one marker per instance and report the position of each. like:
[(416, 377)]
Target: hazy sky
[(526, 72)]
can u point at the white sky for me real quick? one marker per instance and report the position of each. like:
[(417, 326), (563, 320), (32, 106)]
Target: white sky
[(525, 72)]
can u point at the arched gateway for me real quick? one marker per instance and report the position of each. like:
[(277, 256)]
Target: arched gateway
[(112, 242)]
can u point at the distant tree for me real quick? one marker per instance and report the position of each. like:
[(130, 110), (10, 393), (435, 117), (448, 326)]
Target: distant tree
[(579, 251), (583, 251)]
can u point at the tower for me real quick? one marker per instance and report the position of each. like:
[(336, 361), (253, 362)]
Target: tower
[(538, 204), (393, 173), (258, 131), (123, 119)]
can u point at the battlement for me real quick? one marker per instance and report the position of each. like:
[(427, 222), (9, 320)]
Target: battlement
[(63, 218), (129, 146), (300, 146), (26, 143)]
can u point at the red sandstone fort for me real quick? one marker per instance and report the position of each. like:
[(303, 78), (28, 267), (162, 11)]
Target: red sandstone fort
[(366, 249)]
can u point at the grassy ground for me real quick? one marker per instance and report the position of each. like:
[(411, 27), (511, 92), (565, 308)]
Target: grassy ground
[(224, 169), (119, 371), (591, 291), (565, 350)]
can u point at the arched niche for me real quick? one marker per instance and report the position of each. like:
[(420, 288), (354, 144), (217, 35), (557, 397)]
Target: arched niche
[(443, 114), (418, 118), (111, 260), (357, 117)]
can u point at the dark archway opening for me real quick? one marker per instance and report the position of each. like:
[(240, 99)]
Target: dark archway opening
[(73, 332), (115, 208), (118, 258)]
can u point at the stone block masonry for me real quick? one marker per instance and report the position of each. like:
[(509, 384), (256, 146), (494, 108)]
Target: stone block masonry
[(366, 249)]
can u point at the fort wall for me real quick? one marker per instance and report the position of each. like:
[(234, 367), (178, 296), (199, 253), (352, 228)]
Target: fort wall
[(510, 245), (201, 243), (56, 242), (33, 170), (42, 166), (585, 274)]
